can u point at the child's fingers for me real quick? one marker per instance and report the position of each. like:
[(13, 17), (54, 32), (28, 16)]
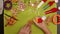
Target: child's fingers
[(30, 32), (28, 27), (35, 21)]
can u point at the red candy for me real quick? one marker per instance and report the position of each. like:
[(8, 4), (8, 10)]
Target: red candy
[(44, 0), (59, 19), (51, 11), (51, 3), (40, 20)]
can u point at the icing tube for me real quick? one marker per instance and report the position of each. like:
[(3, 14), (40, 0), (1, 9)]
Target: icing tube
[(40, 4), (48, 5), (51, 11)]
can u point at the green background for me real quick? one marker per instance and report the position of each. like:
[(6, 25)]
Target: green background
[(28, 14)]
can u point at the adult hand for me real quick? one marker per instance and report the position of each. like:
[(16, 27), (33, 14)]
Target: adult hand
[(42, 26)]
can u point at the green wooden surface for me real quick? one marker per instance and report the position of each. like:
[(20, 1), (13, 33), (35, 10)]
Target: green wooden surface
[(28, 14)]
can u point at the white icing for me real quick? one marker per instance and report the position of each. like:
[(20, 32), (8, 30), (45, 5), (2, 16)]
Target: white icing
[(22, 10), (56, 1), (59, 8), (32, 4), (44, 17)]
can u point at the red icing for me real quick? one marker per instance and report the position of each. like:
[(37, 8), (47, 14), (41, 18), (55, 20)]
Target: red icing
[(58, 17), (52, 11), (40, 20), (44, 0), (51, 3)]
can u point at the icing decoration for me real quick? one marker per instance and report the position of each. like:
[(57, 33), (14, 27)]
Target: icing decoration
[(14, 1), (51, 3), (48, 5), (59, 8), (41, 3), (7, 2), (51, 11), (39, 20), (55, 20)]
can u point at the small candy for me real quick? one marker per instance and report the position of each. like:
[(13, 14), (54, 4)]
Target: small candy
[(51, 3), (40, 20), (21, 6), (10, 22), (44, 0)]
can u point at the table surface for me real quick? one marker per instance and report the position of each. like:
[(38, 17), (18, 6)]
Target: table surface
[(1, 6), (28, 14), (58, 25)]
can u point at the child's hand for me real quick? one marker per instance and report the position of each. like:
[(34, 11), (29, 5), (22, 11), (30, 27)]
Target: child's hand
[(26, 29)]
